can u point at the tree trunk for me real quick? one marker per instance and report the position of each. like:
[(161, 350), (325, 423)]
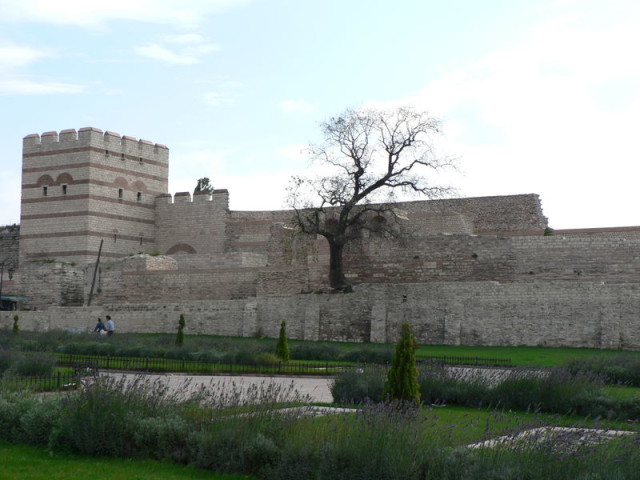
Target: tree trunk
[(337, 279)]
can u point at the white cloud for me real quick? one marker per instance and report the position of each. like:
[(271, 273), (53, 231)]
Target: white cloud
[(16, 56), (17, 85), (218, 98), (255, 192), (297, 106), (192, 48), (201, 160), (185, 38), (158, 52), (92, 14), (547, 116)]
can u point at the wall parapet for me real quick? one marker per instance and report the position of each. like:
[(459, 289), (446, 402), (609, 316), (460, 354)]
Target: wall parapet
[(218, 198), (109, 142)]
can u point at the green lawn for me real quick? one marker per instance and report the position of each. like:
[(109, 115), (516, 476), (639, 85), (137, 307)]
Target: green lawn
[(520, 356), (20, 462)]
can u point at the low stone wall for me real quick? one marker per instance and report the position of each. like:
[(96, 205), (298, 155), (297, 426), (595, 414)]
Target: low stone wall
[(574, 314)]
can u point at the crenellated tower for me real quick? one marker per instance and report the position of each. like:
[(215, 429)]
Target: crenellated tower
[(82, 187)]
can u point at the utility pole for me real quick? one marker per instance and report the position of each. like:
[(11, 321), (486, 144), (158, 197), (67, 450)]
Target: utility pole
[(1, 279), (95, 272)]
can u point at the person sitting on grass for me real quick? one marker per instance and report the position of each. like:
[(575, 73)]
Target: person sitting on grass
[(111, 326), (100, 327)]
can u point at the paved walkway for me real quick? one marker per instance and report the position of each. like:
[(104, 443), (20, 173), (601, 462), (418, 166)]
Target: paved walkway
[(317, 388)]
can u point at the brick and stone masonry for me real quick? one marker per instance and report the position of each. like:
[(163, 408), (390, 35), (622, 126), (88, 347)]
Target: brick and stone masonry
[(468, 271)]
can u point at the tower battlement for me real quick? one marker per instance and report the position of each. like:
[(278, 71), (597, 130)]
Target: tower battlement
[(108, 142), (219, 197)]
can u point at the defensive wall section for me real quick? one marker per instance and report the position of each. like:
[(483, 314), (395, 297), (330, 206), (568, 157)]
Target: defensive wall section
[(464, 271), (597, 257), (556, 313)]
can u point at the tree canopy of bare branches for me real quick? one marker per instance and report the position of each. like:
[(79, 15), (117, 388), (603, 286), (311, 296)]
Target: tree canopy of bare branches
[(367, 156)]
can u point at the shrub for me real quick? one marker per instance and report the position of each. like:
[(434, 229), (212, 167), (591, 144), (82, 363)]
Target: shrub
[(314, 351), (89, 348), (361, 385), (402, 378), (6, 359), (440, 385), (234, 445), (368, 355), (38, 421), (32, 365), (16, 328), (163, 438), (267, 359), (242, 357), (557, 391), (282, 348), (180, 334), (209, 356), (103, 418), (13, 405), (623, 368), (381, 442)]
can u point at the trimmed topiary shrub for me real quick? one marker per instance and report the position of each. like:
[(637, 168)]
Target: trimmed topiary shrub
[(282, 348), (180, 335), (402, 379)]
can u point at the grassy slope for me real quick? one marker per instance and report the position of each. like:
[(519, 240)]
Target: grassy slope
[(520, 356)]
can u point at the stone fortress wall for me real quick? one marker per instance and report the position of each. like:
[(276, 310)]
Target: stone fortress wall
[(468, 271)]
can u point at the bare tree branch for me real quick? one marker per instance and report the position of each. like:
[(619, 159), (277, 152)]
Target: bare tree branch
[(372, 153)]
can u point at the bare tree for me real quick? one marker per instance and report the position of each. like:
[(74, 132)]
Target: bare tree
[(368, 156)]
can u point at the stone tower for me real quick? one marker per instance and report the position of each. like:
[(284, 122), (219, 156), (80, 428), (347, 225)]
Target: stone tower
[(82, 187)]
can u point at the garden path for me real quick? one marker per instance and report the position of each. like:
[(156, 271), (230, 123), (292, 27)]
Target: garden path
[(317, 388)]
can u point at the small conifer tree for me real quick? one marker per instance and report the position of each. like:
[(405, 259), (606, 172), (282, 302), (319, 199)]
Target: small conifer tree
[(282, 349), (180, 336), (16, 327), (402, 379)]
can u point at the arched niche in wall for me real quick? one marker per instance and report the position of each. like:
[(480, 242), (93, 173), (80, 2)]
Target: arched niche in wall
[(64, 178), (120, 182), (139, 186), (181, 248), (45, 181)]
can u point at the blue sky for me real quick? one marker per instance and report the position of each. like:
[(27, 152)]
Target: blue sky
[(536, 96)]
